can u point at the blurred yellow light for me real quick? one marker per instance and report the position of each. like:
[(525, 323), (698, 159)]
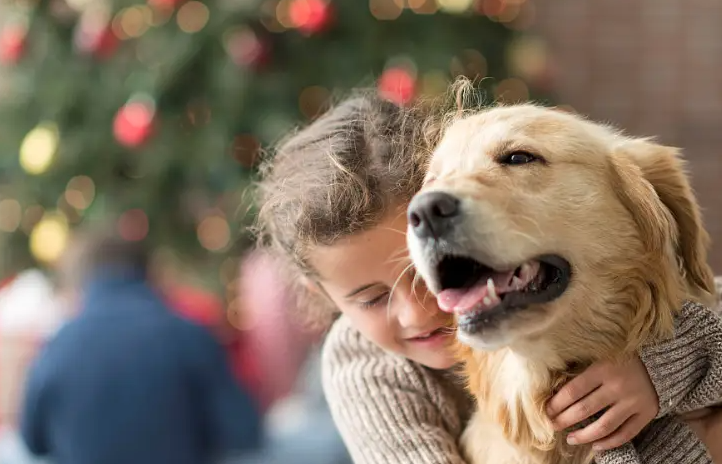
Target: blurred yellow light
[(454, 6), (49, 238), (135, 21), (39, 147), (214, 234), (512, 90), (80, 192), (192, 17), (423, 6), (386, 10), (11, 213)]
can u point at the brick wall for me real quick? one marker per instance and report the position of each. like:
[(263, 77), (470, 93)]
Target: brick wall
[(653, 67)]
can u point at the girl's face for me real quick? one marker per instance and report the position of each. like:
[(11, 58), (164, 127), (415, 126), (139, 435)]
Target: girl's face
[(364, 276)]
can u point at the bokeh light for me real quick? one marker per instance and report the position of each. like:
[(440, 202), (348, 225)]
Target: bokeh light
[(423, 6), (511, 90), (527, 57), (11, 213), (244, 46), (133, 225), (49, 238), (270, 12), (39, 147), (192, 17), (455, 6), (313, 100), (470, 63), (214, 234), (309, 16), (80, 192), (132, 22), (386, 10)]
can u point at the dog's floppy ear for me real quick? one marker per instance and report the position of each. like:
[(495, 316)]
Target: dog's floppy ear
[(663, 168)]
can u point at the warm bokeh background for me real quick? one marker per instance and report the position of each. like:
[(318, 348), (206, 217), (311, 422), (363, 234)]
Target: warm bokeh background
[(154, 113)]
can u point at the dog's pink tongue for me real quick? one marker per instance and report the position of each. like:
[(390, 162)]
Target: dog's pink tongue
[(481, 296), (462, 299)]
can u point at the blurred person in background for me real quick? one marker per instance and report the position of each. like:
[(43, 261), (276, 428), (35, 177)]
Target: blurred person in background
[(278, 342), (299, 425), (127, 380)]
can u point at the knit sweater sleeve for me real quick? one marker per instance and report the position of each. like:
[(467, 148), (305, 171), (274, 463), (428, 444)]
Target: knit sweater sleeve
[(387, 409), (687, 370)]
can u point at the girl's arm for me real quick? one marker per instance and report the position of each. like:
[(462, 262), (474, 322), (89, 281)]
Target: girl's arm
[(388, 409), (687, 370)]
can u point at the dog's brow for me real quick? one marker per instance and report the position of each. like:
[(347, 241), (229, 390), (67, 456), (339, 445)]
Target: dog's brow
[(507, 146)]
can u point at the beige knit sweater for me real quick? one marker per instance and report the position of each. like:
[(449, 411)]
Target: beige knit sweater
[(391, 410)]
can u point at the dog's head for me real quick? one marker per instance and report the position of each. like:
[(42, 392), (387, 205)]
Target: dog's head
[(533, 218)]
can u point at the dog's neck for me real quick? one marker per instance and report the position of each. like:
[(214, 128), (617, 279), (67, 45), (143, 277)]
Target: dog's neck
[(513, 385)]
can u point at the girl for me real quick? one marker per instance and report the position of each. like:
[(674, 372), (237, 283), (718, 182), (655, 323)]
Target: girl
[(333, 203)]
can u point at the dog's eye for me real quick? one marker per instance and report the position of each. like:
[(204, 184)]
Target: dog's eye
[(517, 157)]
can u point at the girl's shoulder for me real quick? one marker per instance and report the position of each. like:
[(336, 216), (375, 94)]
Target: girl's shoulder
[(345, 347), (350, 362)]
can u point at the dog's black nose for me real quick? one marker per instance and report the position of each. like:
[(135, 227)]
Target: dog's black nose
[(432, 214)]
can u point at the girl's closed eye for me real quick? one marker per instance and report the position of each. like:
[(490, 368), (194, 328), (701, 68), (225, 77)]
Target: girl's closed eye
[(376, 301)]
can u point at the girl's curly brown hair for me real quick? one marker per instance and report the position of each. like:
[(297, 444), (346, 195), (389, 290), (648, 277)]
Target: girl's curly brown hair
[(339, 176)]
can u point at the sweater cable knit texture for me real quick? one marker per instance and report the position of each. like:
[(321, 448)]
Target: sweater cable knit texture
[(391, 410)]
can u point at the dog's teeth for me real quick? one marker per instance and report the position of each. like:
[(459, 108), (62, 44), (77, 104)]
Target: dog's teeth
[(516, 283), (491, 288), (487, 301), (526, 273)]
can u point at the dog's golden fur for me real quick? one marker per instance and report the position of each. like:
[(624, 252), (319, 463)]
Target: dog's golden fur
[(619, 209)]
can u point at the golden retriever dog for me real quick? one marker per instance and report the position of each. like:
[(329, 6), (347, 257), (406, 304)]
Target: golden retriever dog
[(557, 242)]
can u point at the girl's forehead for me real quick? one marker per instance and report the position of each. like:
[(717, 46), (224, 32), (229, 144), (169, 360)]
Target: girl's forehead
[(379, 253)]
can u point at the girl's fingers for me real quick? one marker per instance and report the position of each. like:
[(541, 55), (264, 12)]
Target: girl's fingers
[(574, 390), (622, 435), (582, 409), (603, 427)]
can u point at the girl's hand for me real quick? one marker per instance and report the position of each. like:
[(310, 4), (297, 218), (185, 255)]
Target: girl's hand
[(625, 390)]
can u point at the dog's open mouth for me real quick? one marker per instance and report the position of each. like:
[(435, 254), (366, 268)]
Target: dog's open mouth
[(477, 293)]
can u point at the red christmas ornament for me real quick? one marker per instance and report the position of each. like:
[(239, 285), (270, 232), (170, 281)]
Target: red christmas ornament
[(397, 85), (12, 44), (247, 49), (310, 16), (133, 124)]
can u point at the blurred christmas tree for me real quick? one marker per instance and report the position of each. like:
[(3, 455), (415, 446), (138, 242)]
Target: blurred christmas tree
[(156, 111)]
